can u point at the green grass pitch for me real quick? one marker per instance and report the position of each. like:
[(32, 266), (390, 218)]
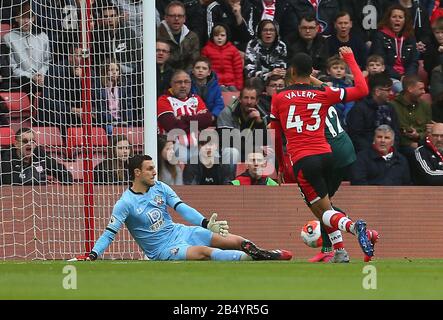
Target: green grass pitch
[(283, 280)]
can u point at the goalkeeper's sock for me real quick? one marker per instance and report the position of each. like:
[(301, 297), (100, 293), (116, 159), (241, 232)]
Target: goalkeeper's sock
[(228, 255), (338, 220)]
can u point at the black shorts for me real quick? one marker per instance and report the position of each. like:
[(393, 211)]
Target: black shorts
[(312, 174)]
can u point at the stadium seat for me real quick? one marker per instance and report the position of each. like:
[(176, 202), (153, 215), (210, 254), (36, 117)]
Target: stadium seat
[(18, 103), (134, 135), (427, 98), (4, 29), (6, 136), (241, 167), (74, 141), (229, 96), (50, 138)]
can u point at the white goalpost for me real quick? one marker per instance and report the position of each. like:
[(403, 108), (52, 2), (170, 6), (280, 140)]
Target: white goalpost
[(77, 96)]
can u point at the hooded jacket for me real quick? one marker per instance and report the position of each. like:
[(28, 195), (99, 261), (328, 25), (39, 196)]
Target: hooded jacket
[(210, 93)]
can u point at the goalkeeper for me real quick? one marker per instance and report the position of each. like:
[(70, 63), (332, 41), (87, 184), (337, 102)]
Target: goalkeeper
[(143, 208)]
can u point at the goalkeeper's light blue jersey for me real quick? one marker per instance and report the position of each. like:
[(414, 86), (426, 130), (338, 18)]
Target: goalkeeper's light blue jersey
[(146, 217)]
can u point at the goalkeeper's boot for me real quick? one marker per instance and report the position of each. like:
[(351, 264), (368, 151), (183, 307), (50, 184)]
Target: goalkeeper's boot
[(363, 240), (340, 256), (258, 253), (322, 257), (373, 237)]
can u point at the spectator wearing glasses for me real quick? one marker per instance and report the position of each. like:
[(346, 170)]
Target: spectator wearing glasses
[(272, 85), (185, 45), (164, 70), (28, 164)]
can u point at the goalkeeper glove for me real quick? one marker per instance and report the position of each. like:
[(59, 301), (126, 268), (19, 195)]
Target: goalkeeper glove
[(220, 227)]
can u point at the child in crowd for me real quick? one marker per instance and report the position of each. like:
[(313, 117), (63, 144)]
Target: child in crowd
[(205, 84), (376, 64), (169, 171), (225, 59), (337, 77)]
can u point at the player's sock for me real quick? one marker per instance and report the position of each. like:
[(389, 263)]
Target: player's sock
[(338, 220), (228, 255), (335, 237), (326, 242)]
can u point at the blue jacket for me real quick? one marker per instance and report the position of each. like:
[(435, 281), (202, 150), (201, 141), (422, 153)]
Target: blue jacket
[(210, 93)]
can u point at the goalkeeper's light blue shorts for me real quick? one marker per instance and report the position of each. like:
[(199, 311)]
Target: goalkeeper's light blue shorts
[(183, 238)]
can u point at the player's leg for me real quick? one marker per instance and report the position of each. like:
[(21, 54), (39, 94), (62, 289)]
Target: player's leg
[(310, 173), (208, 253)]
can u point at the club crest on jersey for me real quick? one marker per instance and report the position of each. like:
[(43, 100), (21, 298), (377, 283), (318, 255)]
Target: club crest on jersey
[(174, 251), (158, 200)]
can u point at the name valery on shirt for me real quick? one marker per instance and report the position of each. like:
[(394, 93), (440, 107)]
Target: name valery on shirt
[(304, 94)]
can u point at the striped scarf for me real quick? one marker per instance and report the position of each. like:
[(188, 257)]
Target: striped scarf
[(431, 146)]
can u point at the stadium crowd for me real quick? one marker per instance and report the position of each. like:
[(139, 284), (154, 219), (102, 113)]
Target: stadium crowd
[(218, 64)]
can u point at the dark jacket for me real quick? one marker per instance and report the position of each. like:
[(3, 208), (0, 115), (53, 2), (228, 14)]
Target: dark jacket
[(362, 121), (198, 174), (104, 173), (355, 43), (15, 172), (318, 51), (428, 167), (325, 12), (372, 169), (221, 12), (164, 79), (385, 44)]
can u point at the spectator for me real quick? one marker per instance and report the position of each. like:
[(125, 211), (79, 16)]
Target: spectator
[(309, 41), (371, 112), (225, 59), (185, 45), (164, 70), (238, 15), (209, 170), (382, 164), (344, 37), (428, 164), (196, 18), (266, 54), (205, 84), (433, 56), (27, 164), (420, 20), (366, 14), (325, 11), (168, 169), (244, 124), (116, 96), (5, 70), (132, 14), (336, 69), (376, 64), (254, 174), (272, 85), (114, 169), (112, 39), (29, 51), (413, 114), (283, 12), (395, 42), (179, 109), (61, 101)]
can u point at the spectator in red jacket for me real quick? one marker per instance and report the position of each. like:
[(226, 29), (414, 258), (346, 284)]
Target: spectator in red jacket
[(225, 59)]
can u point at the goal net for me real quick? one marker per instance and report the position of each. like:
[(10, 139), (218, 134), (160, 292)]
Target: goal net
[(71, 113)]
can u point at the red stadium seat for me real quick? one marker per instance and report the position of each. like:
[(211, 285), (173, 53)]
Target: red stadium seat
[(4, 29), (229, 96), (241, 167), (18, 104), (50, 138), (77, 168), (134, 135), (74, 141), (6, 136)]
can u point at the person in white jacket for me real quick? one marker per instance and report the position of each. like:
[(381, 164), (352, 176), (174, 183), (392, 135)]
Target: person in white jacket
[(29, 52)]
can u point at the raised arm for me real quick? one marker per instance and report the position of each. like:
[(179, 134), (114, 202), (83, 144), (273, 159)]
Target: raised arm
[(360, 88)]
